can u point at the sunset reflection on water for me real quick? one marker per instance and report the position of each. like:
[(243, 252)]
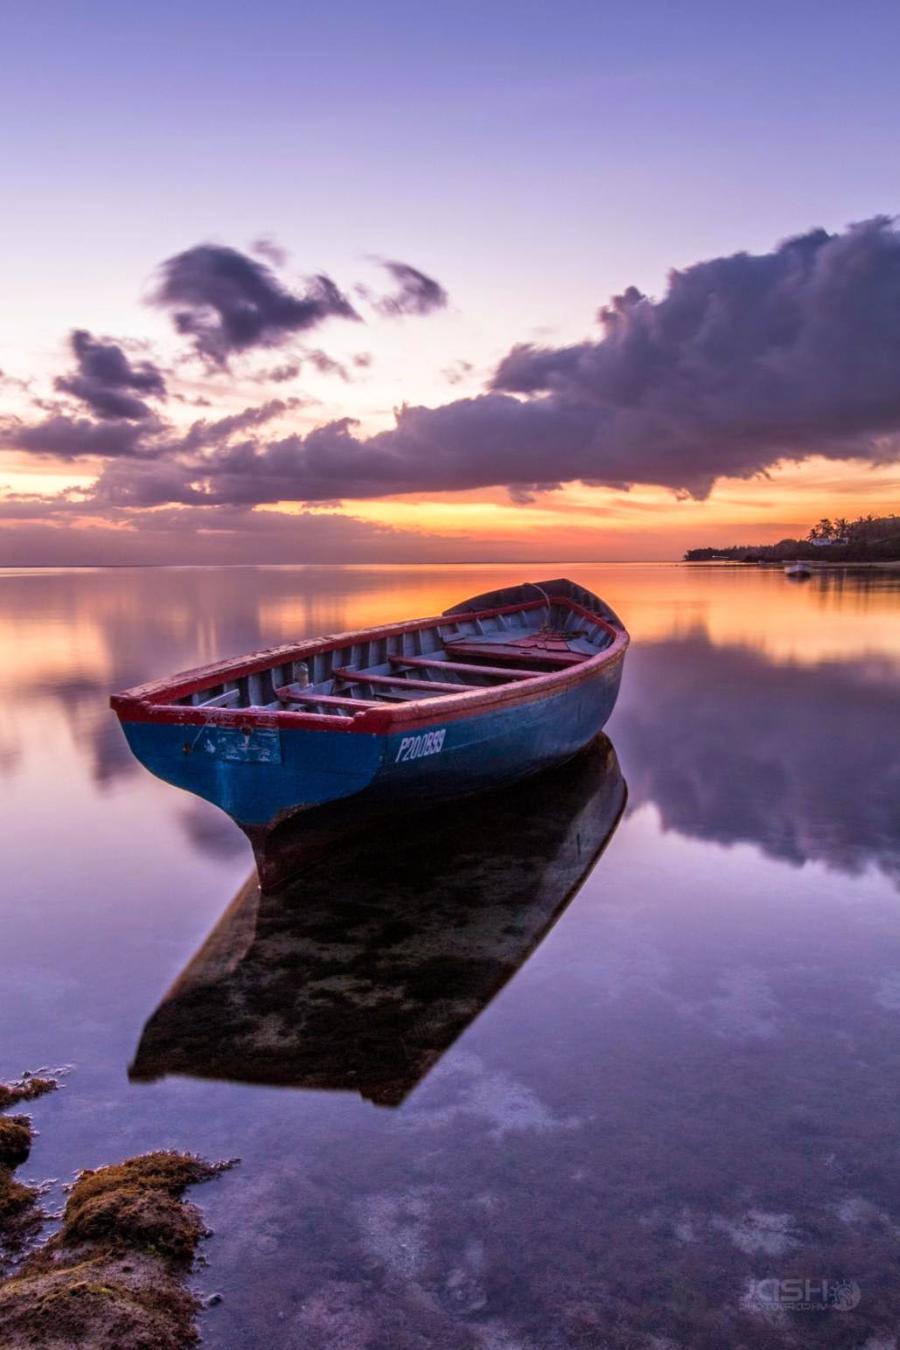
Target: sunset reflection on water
[(688, 1086)]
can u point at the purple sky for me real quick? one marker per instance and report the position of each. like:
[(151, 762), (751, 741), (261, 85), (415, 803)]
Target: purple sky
[(530, 161)]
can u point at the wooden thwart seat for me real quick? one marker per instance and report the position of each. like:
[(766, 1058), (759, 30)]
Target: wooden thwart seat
[(294, 694), (531, 652), (398, 694), (437, 686), (462, 668)]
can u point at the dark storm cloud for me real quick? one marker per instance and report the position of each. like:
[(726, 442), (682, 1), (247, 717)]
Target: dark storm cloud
[(73, 437), (228, 302), (426, 448), (147, 484), (746, 360), (107, 382), (476, 442), (204, 433), (415, 292)]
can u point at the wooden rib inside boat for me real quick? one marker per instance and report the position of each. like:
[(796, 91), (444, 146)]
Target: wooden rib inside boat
[(457, 655)]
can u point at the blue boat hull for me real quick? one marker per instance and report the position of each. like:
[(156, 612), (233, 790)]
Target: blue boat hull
[(265, 775), (332, 731)]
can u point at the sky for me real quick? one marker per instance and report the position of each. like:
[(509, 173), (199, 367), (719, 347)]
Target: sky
[(483, 282)]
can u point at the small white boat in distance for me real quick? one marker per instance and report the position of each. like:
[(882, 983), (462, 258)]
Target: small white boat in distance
[(797, 569)]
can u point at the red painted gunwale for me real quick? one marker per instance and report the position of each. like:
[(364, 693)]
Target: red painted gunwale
[(145, 702)]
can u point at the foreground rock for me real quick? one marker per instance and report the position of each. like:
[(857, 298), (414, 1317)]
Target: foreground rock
[(114, 1276), (25, 1089), (21, 1215)]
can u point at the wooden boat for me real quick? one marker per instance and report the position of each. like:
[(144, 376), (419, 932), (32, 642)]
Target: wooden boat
[(362, 976), (498, 687), (798, 570)]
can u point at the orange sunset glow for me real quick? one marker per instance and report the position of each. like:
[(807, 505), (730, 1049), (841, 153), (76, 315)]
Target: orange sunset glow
[(677, 422), (450, 675), (574, 522)]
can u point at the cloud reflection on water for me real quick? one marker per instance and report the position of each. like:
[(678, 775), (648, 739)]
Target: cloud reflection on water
[(802, 761), (732, 741), (695, 1067)]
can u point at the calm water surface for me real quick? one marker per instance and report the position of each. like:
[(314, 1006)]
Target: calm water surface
[(620, 1129)]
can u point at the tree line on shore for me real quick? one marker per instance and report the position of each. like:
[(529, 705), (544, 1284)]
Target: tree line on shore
[(866, 539)]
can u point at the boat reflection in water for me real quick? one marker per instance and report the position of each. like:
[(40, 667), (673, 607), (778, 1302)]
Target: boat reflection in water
[(362, 973)]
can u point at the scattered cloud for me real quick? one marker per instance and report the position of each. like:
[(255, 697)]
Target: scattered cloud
[(457, 371), (523, 494), (745, 361), (14, 382), (107, 382), (70, 438), (268, 248), (415, 293), (227, 302), (319, 360), (204, 433), (327, 365), (281, 374)]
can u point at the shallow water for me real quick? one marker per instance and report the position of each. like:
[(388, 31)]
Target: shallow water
[(626, 1118)]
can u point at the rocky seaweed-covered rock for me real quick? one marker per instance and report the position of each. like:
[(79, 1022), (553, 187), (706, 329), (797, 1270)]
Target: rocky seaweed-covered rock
[(20, 1214), (25, 1089), (114, 1275), (15, 1140)]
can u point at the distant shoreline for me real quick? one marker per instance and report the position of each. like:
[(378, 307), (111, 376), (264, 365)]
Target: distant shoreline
[(818, 564), (866, 542), (815, 564)]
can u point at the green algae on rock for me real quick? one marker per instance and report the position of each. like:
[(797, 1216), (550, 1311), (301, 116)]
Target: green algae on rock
[(114, 1275), (137, 1204)]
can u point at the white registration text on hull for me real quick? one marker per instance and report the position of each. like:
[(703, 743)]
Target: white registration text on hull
[(414, 747)]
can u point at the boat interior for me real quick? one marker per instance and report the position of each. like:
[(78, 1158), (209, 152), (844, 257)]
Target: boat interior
[(465, 649)]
